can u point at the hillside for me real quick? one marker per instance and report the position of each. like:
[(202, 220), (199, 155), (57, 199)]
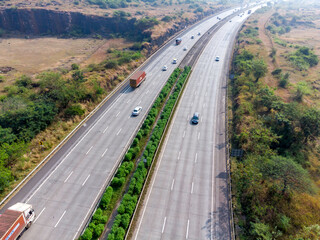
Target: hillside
[(59, 59), (275, 119)]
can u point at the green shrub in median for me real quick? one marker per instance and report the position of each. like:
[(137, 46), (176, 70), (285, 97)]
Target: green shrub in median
[(105, 200), (129, 201)]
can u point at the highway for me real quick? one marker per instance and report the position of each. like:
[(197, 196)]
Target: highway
[(188, 197), (65, 190)]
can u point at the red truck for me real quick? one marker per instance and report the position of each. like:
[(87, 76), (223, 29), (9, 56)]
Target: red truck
[(15, 219), (137, 78)]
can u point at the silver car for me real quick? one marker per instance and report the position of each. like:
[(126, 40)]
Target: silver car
[(136, 111)]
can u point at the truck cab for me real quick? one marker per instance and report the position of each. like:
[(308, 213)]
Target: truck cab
[(15, 219)]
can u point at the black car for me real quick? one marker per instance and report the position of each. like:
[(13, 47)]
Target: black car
[(195, 118)]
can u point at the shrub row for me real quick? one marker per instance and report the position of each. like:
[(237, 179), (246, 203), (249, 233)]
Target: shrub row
[(129, 202), (127, 206)]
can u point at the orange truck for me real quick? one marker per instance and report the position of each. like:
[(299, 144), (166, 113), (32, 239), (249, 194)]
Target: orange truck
[(16, 219), (137, 78)]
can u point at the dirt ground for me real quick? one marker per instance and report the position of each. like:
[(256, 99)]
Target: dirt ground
[(300, 35), (31, 56)]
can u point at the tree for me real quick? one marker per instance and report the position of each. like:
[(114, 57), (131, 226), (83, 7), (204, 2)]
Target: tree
[(78, 76), (259, 68), (5, 177), (309, 232), (87, 235), (287, 174), (310, 123), (264, 231)]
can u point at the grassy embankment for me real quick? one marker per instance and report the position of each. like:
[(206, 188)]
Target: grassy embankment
[(275, 118)]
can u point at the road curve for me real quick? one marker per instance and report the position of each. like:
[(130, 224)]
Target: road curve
[(65, 190), (188, 197)]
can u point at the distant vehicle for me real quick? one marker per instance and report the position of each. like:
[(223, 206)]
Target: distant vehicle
[(15, 220), (178, 41), (185, 49), (199, 33), (217, 58), (136, 111), (164, 68), (230, 21), (137, 78), (192, 37), (174, 61), (249, 11), (195, 118)]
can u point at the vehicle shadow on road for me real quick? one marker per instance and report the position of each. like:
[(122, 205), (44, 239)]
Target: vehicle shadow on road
[(217, 225), (127, 90), (221, 145)]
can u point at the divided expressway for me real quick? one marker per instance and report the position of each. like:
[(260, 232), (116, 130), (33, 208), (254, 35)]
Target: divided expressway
[(65, 191), (188, 195)]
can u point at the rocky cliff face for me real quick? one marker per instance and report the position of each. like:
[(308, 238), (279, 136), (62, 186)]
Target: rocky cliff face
[(49, 22), (41, 21)]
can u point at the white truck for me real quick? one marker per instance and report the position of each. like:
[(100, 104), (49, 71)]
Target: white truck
[(15, 220)]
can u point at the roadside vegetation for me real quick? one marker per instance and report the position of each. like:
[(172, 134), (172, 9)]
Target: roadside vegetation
[(30, 106), (275, 119)]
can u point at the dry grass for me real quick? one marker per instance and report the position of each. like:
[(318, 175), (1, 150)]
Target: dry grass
[(302, 36), (31, 56)]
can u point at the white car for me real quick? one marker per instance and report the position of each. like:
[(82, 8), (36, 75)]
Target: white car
[(164, 68), (185, 49), (174, 61), (217, 58), (136, 111)]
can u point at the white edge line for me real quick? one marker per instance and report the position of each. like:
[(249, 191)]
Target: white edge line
[(56, 168), (67, 138), (39, 215), (60, 218), (85, 180), (94, 202), (68, 177), (192, 188)]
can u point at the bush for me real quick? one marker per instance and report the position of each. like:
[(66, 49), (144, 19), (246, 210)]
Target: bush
[(98, 218), (98, 230), (105, 200), (74, 110), (125, 221), (75, 66), (128, 157), (111, 64), (87, 235), (135, 142), (276, 71), (117, 182), (139, 135)]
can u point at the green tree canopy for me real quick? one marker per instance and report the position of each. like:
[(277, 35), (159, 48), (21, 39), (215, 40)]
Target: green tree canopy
[(288, 174)]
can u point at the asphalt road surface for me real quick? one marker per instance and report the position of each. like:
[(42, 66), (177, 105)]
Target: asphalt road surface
[(188, 197), (64, 192)]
